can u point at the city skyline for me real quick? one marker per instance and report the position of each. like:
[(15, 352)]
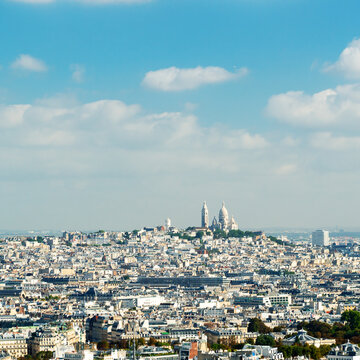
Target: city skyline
[(163, 104)]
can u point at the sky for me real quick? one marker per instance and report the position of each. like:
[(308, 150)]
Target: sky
[(116, 114)]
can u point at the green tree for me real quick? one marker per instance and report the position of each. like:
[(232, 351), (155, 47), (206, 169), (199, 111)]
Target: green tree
[(199, 235), (265, 340), (257, 325), (278, 329), (317, 329), (103, 345), (235, 234), (219, 234), (44, 355), (286, 350), (123, 344), (352, 317), (324, 350), (215, 346)]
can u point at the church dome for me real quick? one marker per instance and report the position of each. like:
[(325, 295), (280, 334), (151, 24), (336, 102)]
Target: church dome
[(223, 213)]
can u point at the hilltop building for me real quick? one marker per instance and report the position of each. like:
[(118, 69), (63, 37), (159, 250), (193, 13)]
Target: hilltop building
[(204, 216), (223, 217), (167, 224), (224, 223)]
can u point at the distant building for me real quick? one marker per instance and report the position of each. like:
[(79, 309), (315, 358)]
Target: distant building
[(224, 223), (233, 225), (81, 355), (227, 336), (204, 216), (186, 281), (188, 351), (266, 351), (321, 238), (303, 338), (346, 351), (268, 301), (14, 345), (44, 340), (223, 217), (167, 224)]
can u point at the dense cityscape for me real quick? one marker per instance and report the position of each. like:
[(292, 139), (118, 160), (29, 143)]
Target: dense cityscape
[(124, 125), (162, 293)]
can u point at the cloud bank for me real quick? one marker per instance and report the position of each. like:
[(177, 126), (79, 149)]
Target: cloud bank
[(113, 124), (85, 2), (338, 106), (327, 141), (28, 63), (348, 63), (175, 79)]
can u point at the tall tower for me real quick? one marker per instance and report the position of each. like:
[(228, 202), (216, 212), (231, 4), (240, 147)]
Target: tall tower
[(223, 217), (321, 238), (204, 216), (167, 224)]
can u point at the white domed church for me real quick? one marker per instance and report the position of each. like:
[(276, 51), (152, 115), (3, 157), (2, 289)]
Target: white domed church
[(224, 223)]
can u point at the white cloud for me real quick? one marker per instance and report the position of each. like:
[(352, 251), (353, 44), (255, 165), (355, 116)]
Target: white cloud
[(49, 137), (86, 2), (286, 169), (105, 2), (348, 62), (29, 63), (290, 141), (78, 72), (61, 122), (34, 1), (190, 107), (237, 139), (327, 141), (175, 79), (106, 111), (124, 154), (12, 115), (329, 107)]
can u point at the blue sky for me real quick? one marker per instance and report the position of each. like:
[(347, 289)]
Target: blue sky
[(117, 114)]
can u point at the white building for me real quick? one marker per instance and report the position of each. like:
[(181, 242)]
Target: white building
[(223, 217), (346, 351), (268, 301), (141, 301), (233, 225), (321, 238), (224, 223), (204, 216), (167, 224)]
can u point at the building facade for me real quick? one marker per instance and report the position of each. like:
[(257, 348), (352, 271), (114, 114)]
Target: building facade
[(321, 238), (16, 346), (346, 351)]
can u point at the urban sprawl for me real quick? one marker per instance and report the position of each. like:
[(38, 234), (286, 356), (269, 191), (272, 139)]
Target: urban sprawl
[(212, 292)]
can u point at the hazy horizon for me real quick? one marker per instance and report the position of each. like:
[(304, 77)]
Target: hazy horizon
[(119, 114)]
